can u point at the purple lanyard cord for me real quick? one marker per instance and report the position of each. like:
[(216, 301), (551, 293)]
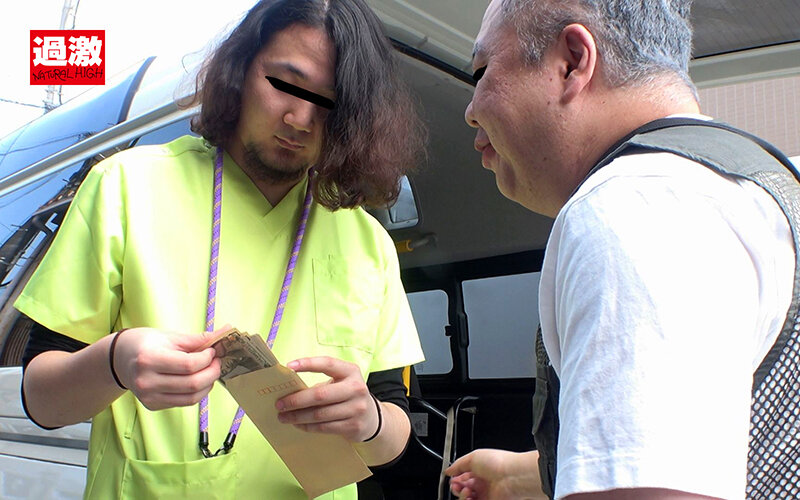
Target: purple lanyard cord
[(212, 298)]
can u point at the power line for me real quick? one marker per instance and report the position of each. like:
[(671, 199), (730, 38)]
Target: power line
[(70, 9), (10, 101)]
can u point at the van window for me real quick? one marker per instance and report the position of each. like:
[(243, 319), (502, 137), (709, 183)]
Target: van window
[(68, 124), (502, 314), (29, 217), (28, 213), (429, 308)]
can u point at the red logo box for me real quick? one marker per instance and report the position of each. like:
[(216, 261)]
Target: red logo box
[(68, 57)]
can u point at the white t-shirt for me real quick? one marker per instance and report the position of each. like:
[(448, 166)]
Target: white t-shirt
[(664, 285)]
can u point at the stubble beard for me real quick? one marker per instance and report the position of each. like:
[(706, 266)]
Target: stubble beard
[(264, 170)]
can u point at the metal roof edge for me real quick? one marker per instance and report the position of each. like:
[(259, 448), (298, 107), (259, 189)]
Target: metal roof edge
[(744, 66)]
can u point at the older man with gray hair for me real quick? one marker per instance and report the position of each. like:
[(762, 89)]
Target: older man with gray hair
[(668, 313)]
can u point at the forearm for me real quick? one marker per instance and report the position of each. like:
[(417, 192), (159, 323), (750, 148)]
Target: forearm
[(63, 388), (390, 441)]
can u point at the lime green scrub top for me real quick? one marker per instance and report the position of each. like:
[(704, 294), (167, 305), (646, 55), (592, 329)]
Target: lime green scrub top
[(134, 251)]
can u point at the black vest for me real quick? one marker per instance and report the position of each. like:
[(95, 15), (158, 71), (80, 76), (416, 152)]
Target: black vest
[(773, 462)]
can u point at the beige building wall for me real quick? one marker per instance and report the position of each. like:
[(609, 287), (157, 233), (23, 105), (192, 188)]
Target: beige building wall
[(769, 109)]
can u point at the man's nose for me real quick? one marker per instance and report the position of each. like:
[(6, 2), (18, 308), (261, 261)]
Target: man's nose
[(301, 116), (469, 117)]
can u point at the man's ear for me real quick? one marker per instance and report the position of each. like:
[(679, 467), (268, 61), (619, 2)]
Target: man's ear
[(578, 58)]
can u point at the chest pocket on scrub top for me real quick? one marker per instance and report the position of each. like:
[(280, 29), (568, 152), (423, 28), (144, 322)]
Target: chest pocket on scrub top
[(347, 301)]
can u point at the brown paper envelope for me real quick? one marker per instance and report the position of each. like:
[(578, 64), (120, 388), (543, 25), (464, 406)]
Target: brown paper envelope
[(320, 462)]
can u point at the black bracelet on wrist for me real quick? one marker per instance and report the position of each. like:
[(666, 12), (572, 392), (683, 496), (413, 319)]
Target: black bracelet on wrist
[(111, 359), (380, 419)]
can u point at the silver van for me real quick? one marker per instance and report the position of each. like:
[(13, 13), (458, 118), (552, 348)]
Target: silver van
[(470, 258)]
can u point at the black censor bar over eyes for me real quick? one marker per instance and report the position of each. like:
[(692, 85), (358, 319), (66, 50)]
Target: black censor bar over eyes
[(301, 93)]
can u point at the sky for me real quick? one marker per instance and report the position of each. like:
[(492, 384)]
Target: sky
[(134, 30)]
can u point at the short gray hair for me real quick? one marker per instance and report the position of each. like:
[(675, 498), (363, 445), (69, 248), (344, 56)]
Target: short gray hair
[(639, 41)]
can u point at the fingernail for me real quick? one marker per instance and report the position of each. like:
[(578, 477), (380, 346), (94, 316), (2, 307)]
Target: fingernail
[(292, 365), (280, 406)]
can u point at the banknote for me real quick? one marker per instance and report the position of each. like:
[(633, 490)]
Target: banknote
[(240, 353)]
